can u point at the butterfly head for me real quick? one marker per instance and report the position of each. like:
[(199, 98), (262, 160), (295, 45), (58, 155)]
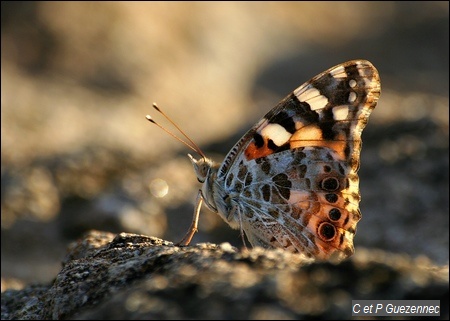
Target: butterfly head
[(206, 171), (202, 167)]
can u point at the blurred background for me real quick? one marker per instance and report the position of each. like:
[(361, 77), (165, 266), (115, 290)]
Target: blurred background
[(78, 78)]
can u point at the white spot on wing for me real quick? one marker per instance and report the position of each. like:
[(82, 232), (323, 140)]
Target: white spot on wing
[(308, 94), (276, 133), (313, 97), (318, 102), (339, 72), (352, 97), (340, 112)]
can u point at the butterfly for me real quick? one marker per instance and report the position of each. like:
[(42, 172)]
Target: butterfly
[(291, 181)]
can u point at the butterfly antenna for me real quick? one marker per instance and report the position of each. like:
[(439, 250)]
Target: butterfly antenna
[(190, 143)]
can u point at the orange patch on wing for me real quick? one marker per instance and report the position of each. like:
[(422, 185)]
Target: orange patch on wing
[(253, 152), (301, 199), (312, 136)]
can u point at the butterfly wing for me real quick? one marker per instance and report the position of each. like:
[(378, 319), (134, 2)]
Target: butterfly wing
[(293, 177)]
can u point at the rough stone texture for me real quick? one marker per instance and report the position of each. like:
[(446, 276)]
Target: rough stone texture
[(129, 276)]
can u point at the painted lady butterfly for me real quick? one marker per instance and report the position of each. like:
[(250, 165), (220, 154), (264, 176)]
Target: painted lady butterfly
[(291, 181)]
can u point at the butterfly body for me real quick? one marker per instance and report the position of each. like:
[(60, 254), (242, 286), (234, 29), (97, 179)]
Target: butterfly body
[(291, 181)]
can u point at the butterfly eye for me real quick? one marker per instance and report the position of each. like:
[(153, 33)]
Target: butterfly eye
[(204, 169)]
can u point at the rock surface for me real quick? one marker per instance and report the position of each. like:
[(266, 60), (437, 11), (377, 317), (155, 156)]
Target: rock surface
[(130, 276)]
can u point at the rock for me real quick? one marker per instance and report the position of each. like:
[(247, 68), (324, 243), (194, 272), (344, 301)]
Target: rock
[(129, 276)]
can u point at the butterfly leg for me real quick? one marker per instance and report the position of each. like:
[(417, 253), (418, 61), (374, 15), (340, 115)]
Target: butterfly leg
[(186, 240), (241, 229), (230, 216)]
